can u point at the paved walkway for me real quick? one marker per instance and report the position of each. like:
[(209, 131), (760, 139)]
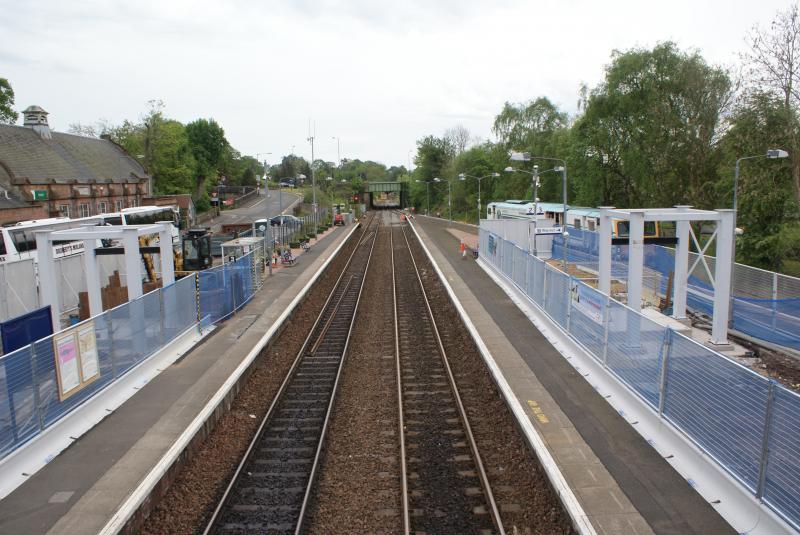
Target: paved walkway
[(80, 490), (622, 483)]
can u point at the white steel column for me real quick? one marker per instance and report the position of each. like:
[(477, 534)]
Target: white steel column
[(48, 286), (166, 254), (133, 263), (635, 259), (92, 277), (722, 277), (604, 246), (679, 280)]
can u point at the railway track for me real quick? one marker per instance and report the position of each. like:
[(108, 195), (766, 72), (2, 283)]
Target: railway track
[(444, 484), (272, 485)]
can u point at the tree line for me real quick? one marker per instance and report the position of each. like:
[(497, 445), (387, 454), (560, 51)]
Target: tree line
[(664, 127)]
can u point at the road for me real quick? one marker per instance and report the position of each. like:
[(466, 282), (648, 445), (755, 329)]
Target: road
[(263, 207)]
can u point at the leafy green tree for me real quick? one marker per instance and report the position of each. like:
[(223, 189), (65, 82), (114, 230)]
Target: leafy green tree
[(649, 132), (207, 144), (7, 113)]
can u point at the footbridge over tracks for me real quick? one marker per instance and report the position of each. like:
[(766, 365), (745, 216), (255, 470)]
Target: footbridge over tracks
[(386, 194)]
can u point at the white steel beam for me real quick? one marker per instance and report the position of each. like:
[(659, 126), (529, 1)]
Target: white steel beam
[(133, 270), (635, 260), (722, 278), (167, 261), (604, 250), (48, 286), (92, 270), (681, 272)]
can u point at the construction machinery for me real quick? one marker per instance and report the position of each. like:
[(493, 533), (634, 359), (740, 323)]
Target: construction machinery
[(195, 254)]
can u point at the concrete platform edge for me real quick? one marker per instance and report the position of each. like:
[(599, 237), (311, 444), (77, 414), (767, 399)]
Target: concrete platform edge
[(142, 492), (36, 454), (740, 509), (580, 519)]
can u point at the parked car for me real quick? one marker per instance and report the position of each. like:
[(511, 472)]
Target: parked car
[(286, 184), (285, 221), (338, 219)]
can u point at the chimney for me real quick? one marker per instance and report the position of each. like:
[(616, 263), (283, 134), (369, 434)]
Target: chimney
[(36, 118)]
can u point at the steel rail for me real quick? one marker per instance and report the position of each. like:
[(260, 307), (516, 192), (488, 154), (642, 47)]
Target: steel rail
[(403, 467), (329, 412), (210, 525), (484, 479)]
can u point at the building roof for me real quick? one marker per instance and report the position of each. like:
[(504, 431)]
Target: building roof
[(29, 158)]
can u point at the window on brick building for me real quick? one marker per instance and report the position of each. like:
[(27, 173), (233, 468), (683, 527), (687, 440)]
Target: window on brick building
[(83, 210), (63, 210)]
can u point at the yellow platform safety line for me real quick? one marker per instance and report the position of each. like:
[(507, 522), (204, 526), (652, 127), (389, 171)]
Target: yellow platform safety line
[(538, 412)]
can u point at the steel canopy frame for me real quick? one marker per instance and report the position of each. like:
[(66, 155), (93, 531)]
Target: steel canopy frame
[(128, 235), (682, 216)]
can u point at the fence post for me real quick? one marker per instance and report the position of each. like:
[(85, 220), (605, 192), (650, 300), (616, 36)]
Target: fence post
[(162, 315), (35, 381), (666, 348), (762, 469), (197, 294), (544, 287), (774, 300), (569, 300), (111, 346), (606, 321)]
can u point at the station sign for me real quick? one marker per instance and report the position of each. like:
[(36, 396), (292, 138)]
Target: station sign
[(548, 230), (40, 195)]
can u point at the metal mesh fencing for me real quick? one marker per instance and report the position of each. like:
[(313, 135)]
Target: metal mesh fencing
[(720, 404), (125, 336), (18, 293), (746, 423), (765, 304), (781, 486), (225, 289)]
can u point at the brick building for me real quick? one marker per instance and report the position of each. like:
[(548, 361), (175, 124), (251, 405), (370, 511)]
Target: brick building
[(50, 174)]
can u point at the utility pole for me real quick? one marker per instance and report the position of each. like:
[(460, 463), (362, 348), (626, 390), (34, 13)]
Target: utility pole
[(313, 182)]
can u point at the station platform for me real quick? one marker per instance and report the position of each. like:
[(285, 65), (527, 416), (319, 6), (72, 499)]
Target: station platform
[(623, 485), (82, 488)]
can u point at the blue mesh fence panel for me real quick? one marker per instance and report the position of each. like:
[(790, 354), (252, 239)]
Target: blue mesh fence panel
[(587, 316), (775, 320), (537, 282), (782, 481), (557, 296), (520, 266), (530, 263), (18, 414), (180, 307), (719, 404), (634, 350), (213, 296)]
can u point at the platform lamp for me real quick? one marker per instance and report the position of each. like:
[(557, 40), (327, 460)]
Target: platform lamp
[(427, 195), (464, 176), (449, 204), (771, 154)]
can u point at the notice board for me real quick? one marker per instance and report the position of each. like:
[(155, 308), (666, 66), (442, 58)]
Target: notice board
[(77, 360)]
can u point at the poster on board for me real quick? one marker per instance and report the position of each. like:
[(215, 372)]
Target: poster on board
[(77, 359), (87, 346), (589, 302), (67, 364)]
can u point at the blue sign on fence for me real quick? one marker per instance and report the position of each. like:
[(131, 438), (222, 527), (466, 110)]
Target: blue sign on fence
[(26, 329)]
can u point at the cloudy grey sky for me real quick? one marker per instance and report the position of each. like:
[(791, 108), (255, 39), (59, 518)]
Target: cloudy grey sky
[(378, 74)]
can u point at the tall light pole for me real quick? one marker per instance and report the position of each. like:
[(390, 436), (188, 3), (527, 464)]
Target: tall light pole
[(427, 195), (338, 150), (464, 176), (771, 154), (313, 183), (449, 205), (266, 183)]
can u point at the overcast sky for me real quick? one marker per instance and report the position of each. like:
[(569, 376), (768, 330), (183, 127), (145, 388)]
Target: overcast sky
[(377, 74)]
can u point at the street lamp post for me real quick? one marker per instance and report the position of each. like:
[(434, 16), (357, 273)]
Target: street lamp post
[(427, 195), (464, 176), (771, 154), (338, 150), (526, 157), (449, 204)]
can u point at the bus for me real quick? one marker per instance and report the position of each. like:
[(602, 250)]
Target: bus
[(579, 217), (147, 215), (18, 241)]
